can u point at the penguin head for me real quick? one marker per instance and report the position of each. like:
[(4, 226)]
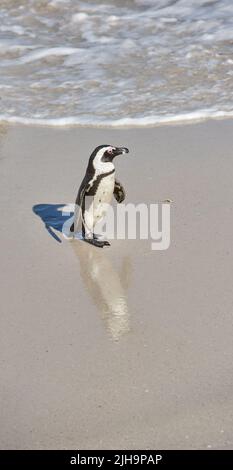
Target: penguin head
[(106, 153), (111, 152), (101, 159)]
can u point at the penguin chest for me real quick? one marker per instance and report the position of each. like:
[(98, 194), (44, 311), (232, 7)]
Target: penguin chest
[(103, 195)]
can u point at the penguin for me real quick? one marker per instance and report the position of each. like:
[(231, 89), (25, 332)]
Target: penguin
[(100, 183)]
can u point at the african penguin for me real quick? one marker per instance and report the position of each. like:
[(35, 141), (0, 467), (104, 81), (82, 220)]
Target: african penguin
[(100, 183)]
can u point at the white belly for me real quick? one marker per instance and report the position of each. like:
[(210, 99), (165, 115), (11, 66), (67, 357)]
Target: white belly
[(102, 198), (105, 190)]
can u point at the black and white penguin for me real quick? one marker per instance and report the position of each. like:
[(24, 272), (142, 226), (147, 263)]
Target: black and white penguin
[(100, 183)]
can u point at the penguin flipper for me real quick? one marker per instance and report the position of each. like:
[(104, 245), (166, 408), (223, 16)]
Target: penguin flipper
[(80, 201), (119, 192)]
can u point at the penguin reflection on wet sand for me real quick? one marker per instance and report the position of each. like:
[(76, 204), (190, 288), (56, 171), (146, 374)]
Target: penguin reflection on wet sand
[(100, 183), (110, 298)]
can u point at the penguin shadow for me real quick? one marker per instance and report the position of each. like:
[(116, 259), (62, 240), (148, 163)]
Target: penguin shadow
[(53, 216), (106, 286)]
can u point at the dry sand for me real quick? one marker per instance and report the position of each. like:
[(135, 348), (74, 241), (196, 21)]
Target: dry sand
[(74, 374)]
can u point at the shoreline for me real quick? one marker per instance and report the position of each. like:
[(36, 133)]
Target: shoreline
[(191, 118), (120, 348)]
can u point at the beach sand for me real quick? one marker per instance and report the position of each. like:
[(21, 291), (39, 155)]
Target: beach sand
[(121, 348)]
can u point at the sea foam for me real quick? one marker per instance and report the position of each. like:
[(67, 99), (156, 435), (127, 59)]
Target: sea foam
[(150, 121)]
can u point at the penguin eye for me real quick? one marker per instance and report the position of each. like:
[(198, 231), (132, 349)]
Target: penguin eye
[(111, 150)]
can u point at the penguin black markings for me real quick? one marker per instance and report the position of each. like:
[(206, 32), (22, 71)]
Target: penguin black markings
[(100, 183)]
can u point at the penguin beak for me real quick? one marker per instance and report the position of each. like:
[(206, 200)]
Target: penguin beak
[(120, 151)]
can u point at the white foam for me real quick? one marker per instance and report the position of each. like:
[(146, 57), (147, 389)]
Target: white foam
[(150, 121), (52, 51), (13, 29), (79, 17)]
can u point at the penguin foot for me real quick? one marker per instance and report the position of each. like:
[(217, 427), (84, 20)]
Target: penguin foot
[(96, 236), (106, 243), (98, 243)]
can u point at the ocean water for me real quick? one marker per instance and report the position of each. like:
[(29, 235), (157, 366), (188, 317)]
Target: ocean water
[(116, 62)]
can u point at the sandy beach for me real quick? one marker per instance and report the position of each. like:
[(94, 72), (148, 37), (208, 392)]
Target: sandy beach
[(138, 354)]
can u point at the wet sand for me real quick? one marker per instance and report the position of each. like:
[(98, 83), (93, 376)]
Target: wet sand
[(121, 348)]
